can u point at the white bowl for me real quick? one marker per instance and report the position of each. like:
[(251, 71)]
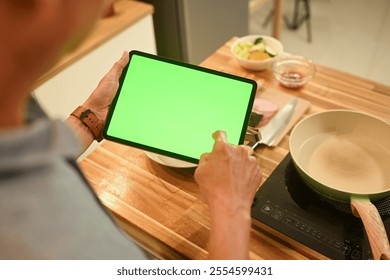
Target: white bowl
[(257, 65), (168, 161)]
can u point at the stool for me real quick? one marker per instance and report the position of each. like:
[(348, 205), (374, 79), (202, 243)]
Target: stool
[(298, 18)]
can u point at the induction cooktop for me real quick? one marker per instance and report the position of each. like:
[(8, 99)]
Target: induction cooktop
[(287, 205)]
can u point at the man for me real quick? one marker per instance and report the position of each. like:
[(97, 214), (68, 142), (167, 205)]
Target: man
[(47, 209)]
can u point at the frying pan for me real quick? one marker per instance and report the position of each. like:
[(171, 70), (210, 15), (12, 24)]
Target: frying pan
[(344, 156)]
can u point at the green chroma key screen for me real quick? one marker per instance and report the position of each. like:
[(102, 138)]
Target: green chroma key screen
[(172, 108)]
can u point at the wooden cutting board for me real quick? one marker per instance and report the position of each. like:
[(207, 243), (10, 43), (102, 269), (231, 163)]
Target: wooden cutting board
[(281, 98)]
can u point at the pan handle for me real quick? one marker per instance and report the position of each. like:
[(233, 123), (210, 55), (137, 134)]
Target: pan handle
[(374, 227)]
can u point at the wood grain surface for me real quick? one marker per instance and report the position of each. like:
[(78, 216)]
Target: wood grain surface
[(161, 208)]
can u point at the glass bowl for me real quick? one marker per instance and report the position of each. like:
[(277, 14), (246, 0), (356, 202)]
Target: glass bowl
[(293, 71)]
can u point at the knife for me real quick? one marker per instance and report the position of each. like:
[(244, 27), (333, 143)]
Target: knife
[(271, 132)]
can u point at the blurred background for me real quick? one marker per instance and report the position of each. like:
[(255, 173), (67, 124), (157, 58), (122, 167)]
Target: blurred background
[(350, 35)]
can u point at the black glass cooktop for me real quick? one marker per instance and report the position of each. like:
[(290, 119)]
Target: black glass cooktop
[(287, 205)]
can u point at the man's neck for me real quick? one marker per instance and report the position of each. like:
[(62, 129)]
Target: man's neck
[(12, 111)]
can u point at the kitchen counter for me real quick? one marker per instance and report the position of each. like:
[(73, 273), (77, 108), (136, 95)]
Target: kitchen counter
[(161, 207), (127, 13)]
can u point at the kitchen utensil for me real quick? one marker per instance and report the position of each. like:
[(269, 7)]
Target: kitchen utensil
[(345, 156), (276, 125)]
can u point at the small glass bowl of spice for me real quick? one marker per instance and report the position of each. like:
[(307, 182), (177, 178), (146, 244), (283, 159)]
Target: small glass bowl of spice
[(293, 71)]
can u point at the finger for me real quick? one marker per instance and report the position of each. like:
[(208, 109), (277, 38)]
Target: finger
[(125, 58), (220, 135), (118, 67), (248, 149), (202, 162), (221, 146), (204, 158)]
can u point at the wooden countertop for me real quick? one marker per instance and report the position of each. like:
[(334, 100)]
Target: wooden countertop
[(161, 207), (127, 13)]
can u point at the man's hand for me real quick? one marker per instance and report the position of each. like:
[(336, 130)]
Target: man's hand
[(228, 178), (100, 99), (228, 175)]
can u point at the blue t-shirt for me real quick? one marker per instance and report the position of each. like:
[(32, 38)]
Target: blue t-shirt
[(47, 209)]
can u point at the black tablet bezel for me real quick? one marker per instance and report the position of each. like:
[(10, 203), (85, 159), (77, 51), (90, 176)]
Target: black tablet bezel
[(182, 64)]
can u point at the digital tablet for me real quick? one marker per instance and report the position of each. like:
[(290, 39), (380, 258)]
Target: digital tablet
[(172, 108)]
